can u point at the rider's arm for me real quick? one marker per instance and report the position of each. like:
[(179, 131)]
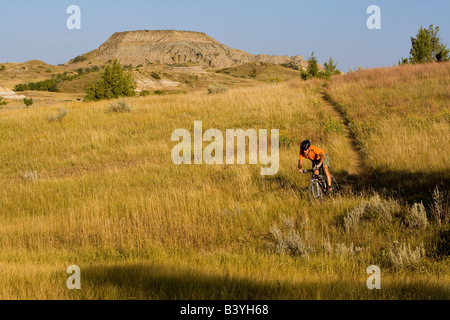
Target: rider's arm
[(300, 165)]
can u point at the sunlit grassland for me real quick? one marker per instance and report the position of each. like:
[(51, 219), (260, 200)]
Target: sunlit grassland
[(107, 197), (401, 115)]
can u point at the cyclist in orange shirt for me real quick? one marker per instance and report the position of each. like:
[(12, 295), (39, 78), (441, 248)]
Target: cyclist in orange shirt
[(318, 157)]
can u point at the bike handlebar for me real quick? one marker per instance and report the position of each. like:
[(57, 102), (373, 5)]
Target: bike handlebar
[(310, 170)]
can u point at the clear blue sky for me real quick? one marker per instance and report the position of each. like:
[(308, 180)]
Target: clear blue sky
[(36, 29)]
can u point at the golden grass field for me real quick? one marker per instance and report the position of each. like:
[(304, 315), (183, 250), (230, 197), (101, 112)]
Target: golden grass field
[(99, 190)]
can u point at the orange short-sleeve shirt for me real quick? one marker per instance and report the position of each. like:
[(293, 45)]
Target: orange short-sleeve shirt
[(315, 153)]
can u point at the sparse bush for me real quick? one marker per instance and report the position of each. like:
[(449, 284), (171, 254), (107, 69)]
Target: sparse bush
[(30, 176), (439, 208), (119, 106), (275, 80), (3, 102), (28, 101), (144, 93), (332, 126), (58, 117), (353, 217), (160, 92), (341, 249), (284, 139), (290, 65), (289, 138), (217, 88), (79, 58), (2, 68), (417, 216), (401, 254), (375, 208), (287, 240), (155, 76)]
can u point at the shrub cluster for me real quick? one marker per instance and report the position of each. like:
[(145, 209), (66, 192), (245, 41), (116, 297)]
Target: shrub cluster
[(119, 106), (45, 85), (289, 240), (217, 88), (312, 71), (58, 117), (79, 58), (51, 85)]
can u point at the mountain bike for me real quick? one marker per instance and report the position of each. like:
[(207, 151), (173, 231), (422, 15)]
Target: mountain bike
[(318, 187)]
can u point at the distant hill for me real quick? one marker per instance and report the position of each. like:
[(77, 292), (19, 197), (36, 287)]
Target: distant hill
[(173, 46)]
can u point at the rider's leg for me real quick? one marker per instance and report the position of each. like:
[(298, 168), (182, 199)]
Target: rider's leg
[(315, 163), (327, 174), (326, 165)]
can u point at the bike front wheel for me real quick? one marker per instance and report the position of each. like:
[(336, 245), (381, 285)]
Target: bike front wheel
[(315, 192)]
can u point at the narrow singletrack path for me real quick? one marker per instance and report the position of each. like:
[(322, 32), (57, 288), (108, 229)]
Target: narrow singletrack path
[(357, 163)]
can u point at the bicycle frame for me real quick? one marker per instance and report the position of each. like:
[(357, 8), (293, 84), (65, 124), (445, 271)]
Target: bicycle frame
[(319, 183)]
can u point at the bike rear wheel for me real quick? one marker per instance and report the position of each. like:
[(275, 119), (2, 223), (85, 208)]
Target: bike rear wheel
[(336, 189)]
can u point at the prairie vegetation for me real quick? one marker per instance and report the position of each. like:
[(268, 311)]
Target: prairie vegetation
[(99, 190), (400, 118)]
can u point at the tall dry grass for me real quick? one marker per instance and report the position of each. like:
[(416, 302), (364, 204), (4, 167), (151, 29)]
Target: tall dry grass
[(107, 197), (400, 115)]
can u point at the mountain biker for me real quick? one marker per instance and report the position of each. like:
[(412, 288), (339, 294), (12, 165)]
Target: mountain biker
[(318, 157)]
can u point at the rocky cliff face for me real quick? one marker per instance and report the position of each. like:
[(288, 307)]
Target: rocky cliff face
[(172, 46)]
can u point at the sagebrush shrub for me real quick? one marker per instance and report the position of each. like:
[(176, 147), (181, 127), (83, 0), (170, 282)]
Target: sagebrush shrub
[(439, 208), (401, 254), (217, 88), (30, 176), (288, 240), (375, 208), (417, 216), (341, 249), (119, 106), (58, 117)]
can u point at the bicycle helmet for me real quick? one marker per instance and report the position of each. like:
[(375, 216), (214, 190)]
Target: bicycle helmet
[(305, 145)]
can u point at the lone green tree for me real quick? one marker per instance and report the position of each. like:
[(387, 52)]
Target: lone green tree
[(312, 70), (28, 102), (3, 102), (426, 47), (113, 84), (331, 68)]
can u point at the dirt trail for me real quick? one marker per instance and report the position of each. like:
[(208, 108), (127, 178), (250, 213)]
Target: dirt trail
[(357, 163)]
